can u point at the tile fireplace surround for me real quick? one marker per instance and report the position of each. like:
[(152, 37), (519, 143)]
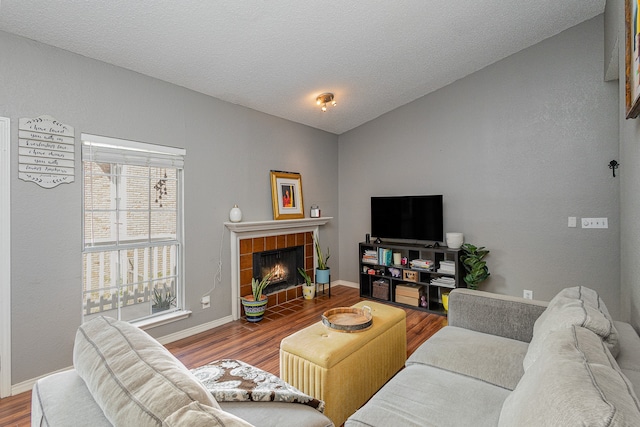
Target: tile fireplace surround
[(258, 236)]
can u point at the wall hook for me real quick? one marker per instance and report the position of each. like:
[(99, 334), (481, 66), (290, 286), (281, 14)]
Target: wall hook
[(613, 165)]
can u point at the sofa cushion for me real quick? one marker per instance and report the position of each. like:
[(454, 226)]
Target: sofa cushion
[(629, 341), (62, 399), (421, 395), (490, 358), (493, 313), (132, 377), (627, 358), (573, 306), (574, 382)]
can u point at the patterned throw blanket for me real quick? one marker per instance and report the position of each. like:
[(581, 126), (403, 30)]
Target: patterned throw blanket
[(235, 381)]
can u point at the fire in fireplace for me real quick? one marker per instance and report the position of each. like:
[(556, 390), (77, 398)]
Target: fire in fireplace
[(282, 263)]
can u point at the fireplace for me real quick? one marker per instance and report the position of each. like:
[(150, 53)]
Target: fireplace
[(285, 252), (283, 265), (248, 238)]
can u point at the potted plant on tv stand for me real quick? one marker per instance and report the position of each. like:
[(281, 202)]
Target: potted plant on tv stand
[(308, 288), (256, 304), (323, 272)]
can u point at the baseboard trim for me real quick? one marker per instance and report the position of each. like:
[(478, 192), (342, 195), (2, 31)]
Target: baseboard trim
[(186, 333), (28, 384), (345, 283)]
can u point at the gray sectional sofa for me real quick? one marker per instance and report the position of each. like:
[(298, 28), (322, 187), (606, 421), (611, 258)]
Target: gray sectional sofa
[(506, 361), (123, 377)]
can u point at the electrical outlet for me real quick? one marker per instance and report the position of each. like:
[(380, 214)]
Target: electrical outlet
[(527, 294), (205, 301)]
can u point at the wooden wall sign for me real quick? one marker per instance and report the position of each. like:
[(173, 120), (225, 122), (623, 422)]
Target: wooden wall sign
[(46, 151)]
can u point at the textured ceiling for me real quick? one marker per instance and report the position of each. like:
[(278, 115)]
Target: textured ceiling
[(277, 56)]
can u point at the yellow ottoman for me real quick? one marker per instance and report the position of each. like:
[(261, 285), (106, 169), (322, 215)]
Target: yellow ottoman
[(345, 369)]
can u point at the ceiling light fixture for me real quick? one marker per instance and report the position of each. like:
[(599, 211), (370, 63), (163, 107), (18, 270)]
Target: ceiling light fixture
[(324, 99)]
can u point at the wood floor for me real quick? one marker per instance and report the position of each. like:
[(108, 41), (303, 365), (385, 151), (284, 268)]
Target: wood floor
[(256, 344)]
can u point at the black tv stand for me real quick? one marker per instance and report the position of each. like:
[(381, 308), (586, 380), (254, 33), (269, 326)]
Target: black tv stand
[(408, 284), (378, 241)]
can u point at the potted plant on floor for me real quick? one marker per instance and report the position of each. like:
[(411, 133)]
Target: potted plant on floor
[(308, 288), (161, 300), (473, 261), (256, 304), (323, 271)]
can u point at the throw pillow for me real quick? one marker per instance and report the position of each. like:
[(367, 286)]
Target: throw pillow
[(575, 382), (578, 306), (132, 377), (231, 380)]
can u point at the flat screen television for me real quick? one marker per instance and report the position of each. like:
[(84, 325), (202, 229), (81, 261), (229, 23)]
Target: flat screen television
[(407, 218)]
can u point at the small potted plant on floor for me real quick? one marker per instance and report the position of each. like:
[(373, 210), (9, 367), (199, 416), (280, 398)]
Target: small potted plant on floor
[(323, 271), (308, 288), (473, 261), (256, 304), (161, 300)]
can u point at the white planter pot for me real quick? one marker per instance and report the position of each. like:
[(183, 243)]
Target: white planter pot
[(309, 291)]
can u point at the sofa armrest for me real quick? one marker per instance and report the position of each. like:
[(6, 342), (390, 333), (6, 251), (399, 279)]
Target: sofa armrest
[(502, 315)]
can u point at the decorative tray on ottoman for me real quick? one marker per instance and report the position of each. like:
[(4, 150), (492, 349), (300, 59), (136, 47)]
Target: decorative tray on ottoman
[(348, 319)]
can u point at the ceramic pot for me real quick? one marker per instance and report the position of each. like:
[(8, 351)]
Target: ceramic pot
[(322, 276), (455, 240), (309, 291), (254, 310)]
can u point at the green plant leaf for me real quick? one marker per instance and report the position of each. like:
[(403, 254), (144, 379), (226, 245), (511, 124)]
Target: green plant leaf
[(322, 260), (472, 260), (257, 286), (304, 275)]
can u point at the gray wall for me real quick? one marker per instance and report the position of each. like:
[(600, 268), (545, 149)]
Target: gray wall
[(515, 149), (629, 194), (230, 151), (613, 20)]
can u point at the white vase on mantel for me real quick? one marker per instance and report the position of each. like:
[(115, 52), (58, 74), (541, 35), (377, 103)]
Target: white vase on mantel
[(235, 214)]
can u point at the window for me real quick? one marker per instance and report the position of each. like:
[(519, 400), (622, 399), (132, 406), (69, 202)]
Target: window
[(132, 229)]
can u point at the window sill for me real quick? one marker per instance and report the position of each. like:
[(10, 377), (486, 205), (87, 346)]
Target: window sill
[(153, 322)]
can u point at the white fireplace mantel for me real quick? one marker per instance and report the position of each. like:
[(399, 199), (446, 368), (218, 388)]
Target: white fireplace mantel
[(250, 229), (286, 224)]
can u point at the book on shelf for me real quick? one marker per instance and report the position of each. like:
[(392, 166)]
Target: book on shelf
[(370, 256), (448, 282), (447, 267), (385, 256), (423, 264)]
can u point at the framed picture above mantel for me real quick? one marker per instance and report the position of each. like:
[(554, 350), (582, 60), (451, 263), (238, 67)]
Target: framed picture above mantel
[(632, 58), (286, 195)]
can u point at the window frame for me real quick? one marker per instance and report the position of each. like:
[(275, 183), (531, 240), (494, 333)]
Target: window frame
[(101, 149)]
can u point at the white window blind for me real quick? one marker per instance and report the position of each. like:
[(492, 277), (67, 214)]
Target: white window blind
[(132, 229), (102, 149)]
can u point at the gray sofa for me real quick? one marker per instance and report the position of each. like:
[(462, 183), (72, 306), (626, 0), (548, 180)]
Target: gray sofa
[(123, 377), (506, 361)]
